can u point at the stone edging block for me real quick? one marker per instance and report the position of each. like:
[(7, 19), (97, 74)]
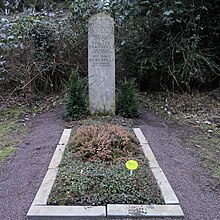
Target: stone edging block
[(65, 137), (45, 188), (123, 210), (57, 157), (66, 212)]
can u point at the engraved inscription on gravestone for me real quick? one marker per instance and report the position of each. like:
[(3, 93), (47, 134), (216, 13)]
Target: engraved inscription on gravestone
[(101, 62)]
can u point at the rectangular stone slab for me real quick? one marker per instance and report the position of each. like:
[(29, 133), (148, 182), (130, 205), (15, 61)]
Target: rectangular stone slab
[(57, 157), (101, 64), (140, 135), (144, 211), (66, 212), (165, 187), (150, 156), (45, 188), (65, 137)]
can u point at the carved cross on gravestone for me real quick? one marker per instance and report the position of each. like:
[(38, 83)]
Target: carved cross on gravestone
[(101, 61)]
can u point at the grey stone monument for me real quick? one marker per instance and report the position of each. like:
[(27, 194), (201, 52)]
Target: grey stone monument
[(101, 64)]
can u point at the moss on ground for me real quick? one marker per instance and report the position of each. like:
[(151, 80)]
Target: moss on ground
[(15, 116), (208, 147), (5, 152), (11, 131)]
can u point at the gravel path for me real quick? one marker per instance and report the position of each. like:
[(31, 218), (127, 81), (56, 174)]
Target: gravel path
[(198, 193), (21, 176)]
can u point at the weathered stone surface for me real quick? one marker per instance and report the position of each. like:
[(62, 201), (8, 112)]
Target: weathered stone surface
[(140, 136), (144, 211), (45, 188), (57, 157), (165, 187), (101, 64), (65, 137), (66, 212)]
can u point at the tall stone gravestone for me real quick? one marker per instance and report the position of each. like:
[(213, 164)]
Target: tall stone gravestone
[(101, 61)]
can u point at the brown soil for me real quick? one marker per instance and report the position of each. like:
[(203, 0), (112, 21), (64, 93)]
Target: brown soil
[(21, 175)]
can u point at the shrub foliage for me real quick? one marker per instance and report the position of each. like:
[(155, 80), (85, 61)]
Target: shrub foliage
[(102, 142), (126, 99), (75, 100), (164, 44)]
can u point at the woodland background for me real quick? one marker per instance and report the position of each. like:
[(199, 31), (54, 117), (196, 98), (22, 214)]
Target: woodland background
[(165, 45)]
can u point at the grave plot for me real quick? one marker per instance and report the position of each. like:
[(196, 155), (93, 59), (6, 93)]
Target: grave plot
[(105, 171), (93, 170), (81, 190)]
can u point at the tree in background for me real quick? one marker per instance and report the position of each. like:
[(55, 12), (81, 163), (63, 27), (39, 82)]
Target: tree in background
[(161, 43), (164, 44)]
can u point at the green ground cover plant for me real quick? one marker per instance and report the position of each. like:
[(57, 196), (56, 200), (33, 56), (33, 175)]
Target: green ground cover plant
[(93, 172)]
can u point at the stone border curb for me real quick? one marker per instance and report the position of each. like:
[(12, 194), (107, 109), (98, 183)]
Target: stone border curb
[(45, 188), (39, 209), (65, 137), (149, 211), (166, 190), (66, 212), (57, 157)]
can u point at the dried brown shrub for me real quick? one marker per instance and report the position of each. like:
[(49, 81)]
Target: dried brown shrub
[(103, 142)]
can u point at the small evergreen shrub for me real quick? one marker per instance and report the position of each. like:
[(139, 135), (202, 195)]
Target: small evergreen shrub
[(75, 100), (126, 99)]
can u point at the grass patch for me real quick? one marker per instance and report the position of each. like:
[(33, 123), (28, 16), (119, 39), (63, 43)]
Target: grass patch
[(208, 147), (93, 172), (212, 161), (10, 131), (15, 114), (5, 152)]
